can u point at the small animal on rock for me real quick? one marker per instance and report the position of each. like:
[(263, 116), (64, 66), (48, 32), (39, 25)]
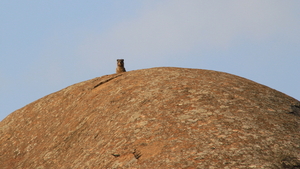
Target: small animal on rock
[(120, 66)]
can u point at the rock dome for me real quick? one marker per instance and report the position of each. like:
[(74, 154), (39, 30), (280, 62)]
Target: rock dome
[(155, 118)]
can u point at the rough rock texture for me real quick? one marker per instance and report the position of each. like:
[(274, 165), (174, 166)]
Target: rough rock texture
[(155, 118)]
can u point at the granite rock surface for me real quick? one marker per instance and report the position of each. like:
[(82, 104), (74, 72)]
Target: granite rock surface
[(155, 118)]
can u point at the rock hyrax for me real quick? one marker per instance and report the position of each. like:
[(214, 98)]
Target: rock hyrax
[(120, 66)]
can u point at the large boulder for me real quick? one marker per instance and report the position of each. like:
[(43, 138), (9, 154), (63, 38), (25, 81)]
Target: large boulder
[(155, 118)]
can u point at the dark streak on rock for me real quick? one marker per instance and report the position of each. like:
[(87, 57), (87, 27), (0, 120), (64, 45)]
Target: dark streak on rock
[(295, 110), (137, 154), (116, 155), (290, 163), (105, 81)]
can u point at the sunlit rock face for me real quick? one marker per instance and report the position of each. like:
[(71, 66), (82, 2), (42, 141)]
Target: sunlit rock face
[(155, 118)]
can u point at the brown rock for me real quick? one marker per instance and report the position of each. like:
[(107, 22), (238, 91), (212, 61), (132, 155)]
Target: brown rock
[(155, 118)]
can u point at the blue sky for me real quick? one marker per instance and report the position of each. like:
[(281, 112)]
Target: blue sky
[(46, 46)]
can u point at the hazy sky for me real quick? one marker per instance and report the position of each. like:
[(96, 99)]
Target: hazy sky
[(46, 46)]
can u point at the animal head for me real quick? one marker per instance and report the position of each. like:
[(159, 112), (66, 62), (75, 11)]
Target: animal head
[(120, 62)]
